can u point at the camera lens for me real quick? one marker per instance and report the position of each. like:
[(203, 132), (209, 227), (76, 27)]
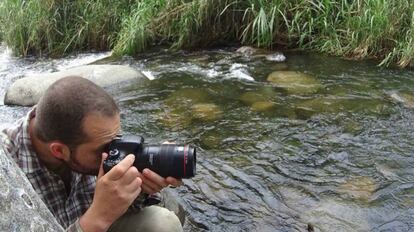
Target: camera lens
[(174, 160), (178, 161)]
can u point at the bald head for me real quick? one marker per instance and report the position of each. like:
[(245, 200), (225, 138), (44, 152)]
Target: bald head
[(64, 106)]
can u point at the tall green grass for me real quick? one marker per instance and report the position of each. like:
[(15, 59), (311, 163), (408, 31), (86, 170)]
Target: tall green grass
[(55, 27), (382, 29)]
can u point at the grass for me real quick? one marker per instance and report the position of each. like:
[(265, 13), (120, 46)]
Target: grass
[(382, 29), (53, 27)]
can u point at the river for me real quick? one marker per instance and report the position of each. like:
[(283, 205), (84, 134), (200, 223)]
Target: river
[(272, 156)]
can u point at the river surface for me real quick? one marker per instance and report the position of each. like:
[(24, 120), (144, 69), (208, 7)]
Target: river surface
[(272, 155)]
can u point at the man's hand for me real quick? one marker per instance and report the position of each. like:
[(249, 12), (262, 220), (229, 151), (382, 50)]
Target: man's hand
[(114, 193), (153, 183)]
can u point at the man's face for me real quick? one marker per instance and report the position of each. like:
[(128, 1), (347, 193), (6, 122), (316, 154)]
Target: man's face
[(100, 130)]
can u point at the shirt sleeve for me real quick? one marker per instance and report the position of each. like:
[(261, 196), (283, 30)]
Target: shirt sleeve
[(75, 227), (7, 143)]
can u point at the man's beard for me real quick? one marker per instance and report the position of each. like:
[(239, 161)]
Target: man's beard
[(74, 165)]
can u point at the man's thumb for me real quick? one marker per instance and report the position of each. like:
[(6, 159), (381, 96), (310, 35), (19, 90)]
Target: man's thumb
[(101, 170)]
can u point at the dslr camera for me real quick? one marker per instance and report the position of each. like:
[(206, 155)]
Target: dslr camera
[(174, 160)]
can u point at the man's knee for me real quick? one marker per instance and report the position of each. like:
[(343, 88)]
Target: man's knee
[(162, 219), (149, 219)]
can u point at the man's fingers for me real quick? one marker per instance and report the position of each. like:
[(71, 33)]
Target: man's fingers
[(155, 178), (130, 175), (148, 189), (119, 170), (173, 181), (133, 185), (101, 171), (151, 185)]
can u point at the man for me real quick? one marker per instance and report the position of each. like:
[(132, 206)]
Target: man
[(59, 146)]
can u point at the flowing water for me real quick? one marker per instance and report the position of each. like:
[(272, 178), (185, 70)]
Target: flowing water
[(331, 151)]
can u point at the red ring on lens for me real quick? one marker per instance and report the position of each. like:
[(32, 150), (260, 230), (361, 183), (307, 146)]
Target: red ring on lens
[(185, 159)]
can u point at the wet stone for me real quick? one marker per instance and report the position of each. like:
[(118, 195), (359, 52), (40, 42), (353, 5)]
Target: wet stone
[(206, 111), (178, 108), (263, 94), (211, 140), (277, 57), (295, 82), (174, 120), (321, 105), (280, 66), (186, 98), (405, 98), (262, 106), (247, 50), (359, 188), (353, 127), (250, 98)]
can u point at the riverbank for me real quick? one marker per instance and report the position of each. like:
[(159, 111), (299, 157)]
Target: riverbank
[(383, 30)]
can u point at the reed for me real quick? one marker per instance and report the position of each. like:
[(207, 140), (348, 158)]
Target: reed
[(54, 27), (382, 29)]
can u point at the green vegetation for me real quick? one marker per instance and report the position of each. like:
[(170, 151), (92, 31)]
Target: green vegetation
[(362, 28), (56, 27)]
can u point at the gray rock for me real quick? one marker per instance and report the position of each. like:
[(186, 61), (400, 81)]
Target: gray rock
[(21, 209), (406, 99), (259, 53), (28, 90), (246, 50), (277, 57)]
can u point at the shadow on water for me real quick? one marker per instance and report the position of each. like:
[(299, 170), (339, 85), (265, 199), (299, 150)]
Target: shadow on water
[(277, 154)]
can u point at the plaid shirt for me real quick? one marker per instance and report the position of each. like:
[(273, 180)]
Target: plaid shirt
[(66, 207)]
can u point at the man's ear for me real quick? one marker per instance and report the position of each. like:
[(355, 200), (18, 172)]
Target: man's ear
[(59, 150)]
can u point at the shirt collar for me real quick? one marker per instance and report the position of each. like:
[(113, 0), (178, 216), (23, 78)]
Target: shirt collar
[(29, 158)]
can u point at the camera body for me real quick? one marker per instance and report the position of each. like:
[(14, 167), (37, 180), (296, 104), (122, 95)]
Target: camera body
[(174, 160)]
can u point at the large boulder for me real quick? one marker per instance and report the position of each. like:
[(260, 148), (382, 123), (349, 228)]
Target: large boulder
[(28, 90), (21, 209)]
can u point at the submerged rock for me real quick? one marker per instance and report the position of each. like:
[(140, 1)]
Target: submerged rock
[(28, 90), (211, 140), (249, 98), (174, 120), (322, 105), (295, 82), (261, 106), (178, 111), (280, 66), (185, 98), (265, 93), (406, 99), (206, 111), (337, 105), (353, 127), (21, 209), (359, 188)]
